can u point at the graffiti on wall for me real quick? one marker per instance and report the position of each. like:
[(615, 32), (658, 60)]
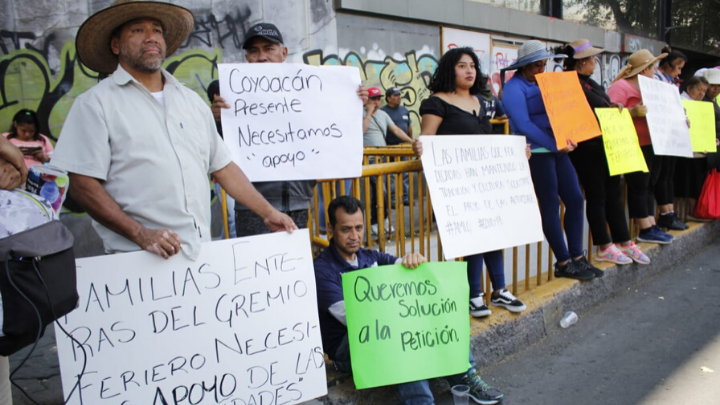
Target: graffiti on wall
[(224, 32), (26, 81), (411, 74), (48, 81)]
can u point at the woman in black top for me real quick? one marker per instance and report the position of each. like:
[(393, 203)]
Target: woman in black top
[(455, 108), (603, 192)]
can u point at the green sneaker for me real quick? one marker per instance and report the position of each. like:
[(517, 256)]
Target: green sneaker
[(480, 391)]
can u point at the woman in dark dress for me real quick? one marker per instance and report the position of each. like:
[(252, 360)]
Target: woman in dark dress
[(455, 108), (603, 192)]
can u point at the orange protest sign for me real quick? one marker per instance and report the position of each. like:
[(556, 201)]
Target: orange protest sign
[(569, 112)]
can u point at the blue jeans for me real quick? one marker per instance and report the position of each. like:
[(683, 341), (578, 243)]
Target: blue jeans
[(230, 210), (373, 208), (406, 184), (410, 393), (496, 270)]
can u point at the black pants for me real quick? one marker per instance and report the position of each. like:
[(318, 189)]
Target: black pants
[(641, 202), (247, 223), (603, 193), (662, 176)]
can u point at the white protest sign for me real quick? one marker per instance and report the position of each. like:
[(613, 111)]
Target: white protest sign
[(238, 326), (666, 118), (478, 41), (291, 121), (481, 191)]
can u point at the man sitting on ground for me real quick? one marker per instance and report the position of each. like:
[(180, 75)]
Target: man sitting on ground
[(345, 254)]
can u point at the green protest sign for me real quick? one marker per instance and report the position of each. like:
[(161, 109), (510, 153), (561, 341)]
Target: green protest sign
[(407, 325)]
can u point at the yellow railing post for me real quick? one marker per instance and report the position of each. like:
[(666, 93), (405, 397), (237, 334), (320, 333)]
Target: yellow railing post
[(387, 164)]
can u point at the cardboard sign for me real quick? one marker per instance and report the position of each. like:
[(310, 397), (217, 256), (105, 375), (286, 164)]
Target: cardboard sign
[(407, 325), (702, 125), (570, 114), (481, 191), (666, 118), (293, 122), (237, 326), (622, 148)]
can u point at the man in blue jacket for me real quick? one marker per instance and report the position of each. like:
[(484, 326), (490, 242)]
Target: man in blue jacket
[(345, 253)]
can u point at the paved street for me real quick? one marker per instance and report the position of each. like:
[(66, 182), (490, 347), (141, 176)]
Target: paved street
[(647, 346)]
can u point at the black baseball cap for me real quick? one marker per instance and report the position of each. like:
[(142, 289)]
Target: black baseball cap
[(392, 91), (263, 30)]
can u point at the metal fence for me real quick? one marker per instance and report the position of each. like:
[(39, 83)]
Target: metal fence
[(409, 228)]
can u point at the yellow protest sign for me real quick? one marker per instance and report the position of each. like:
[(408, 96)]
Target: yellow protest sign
[(702, 125), (622, 148), (569, 112)]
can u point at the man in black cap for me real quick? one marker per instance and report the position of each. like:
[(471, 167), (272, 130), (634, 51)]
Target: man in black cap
[(264, 44)]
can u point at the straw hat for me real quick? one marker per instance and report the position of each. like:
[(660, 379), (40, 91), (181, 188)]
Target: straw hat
[(583, 48), (532, 51), (93, 37), (637, 62), (712, 75)]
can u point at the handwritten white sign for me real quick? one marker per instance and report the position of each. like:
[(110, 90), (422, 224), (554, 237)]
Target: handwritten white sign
[(238, 326), (478, 41), (291, 121), (666, 118), (481, 191)]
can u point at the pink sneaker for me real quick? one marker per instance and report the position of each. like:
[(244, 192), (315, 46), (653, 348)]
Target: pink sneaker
[(613, 255), (634, 252)]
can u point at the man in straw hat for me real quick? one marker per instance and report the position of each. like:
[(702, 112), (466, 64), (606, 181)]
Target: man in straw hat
[(139, 145)]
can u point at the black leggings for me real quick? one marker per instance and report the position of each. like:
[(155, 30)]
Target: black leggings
[(645, 188), (603, 193), (663, 173), (641, 202)]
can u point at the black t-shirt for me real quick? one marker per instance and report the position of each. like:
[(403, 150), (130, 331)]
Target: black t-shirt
[(595, 93), (456, 121), (597, 97)]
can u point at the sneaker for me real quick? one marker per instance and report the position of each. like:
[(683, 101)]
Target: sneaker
[(664, 234), (506, 299), (573, 270), (612, 255), (388, 228), (671, 221), (678, 220), (634, 252), (585, 264), (480, 391), (654, 235), (478, 309)]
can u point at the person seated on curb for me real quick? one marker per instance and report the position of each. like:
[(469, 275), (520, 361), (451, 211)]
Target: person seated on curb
[(345, 254)]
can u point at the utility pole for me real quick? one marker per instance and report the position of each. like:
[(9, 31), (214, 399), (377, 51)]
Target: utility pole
[(664, 20)]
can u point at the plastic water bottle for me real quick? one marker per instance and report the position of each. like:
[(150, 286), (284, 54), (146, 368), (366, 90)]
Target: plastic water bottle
[(569, 319)]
